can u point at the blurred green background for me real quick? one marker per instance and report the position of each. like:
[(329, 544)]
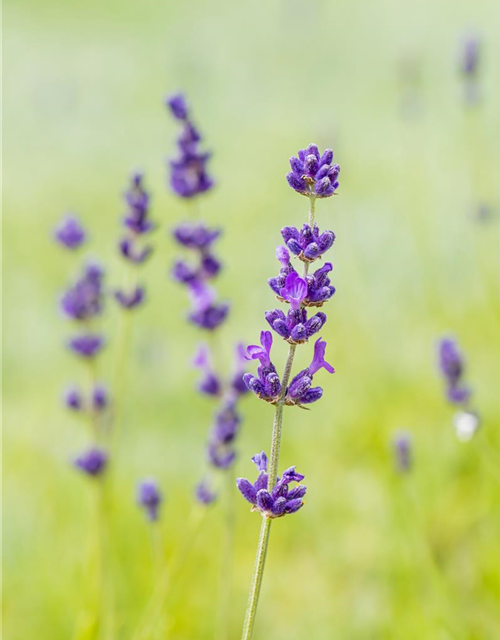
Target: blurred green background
[(372, 555)]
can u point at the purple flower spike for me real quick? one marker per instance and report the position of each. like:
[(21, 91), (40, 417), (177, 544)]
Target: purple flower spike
[(281, 499), (86, 346), (84, 300), (178, 106), (209, 383), (132, 253), (93, 462), (470, 55), (294, 291), (452, 366), (70, 233), (312, 174), (254, 352), (188, 172), (73, 399), (319, 361), (136, 218), (203, 493), (130, 300), (100, 398), (402, 452), (150, 498)]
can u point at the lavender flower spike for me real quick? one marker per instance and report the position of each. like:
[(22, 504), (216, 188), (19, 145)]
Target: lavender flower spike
[(92, 462), (451, 363), (313, 174), (70, 233), (150, 498), (278, 502)]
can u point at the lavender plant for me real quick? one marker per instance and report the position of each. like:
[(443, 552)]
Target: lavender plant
[(458, 393), (469, 59), (314, 176)]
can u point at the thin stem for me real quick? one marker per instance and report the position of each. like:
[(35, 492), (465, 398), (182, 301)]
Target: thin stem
[(260, 560)]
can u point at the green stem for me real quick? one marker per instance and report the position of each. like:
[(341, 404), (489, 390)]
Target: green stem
[(258, 573)]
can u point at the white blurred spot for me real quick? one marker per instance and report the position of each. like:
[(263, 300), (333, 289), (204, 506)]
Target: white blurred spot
[(466, 424)]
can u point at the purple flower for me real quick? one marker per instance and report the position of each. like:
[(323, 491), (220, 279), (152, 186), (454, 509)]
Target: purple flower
[(294, 291), (150, 498), (263, 353), (469, 55), (313, 174), (195, 236), (209, 383), (300, 390), (178, 106), (92, 462), (100, 398), (73, 399), (281, 500), (188, 172), (452, 366), (307, 244), (319, 289), (87, 345), (227, 422), (402, 452), (130, 300), (137, 199), (84, 299), (204, 494), (70, 233), (130, 251), (295, 327), (220, 456), (210, 317)]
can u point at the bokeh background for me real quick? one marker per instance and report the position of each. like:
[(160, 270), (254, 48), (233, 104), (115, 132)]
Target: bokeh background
[(372, 554)]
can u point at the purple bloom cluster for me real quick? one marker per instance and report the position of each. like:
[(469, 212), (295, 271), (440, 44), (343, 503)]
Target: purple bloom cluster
[(278, 501), (451, 363), (70, 233), (206, 313), (204, 494), (188, 172), (149, 498), (137, 224), (82, 302), (92, 462), (308, 244), (311, 291), (98, 401), (313, 174), (267, 384), (402, 452)]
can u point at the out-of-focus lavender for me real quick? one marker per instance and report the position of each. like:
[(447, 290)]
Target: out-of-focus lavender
[(469, 64), (92, 462), (188, 171), (402, 447), (149, 498), (70, 233), (452, 366), (132, 246)]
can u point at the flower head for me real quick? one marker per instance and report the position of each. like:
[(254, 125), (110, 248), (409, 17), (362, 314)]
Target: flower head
[(295, 327), (178, 106), (73, 399), (281, 500), (87, 346), (92, 462), (307, 244), (294, 291), (313, 174), (452, 365), (150, 498), (70, 233), (84, 299), (204, 494)]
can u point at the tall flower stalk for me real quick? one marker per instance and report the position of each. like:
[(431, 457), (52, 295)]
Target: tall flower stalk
[(314, 176)]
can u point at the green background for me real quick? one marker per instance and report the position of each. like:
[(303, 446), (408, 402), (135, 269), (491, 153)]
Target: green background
[(372, 555)]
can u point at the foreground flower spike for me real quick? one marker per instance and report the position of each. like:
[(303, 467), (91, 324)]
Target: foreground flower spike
[(204, 494), (92, 462), (188, 171), (280, 500), (70, 233), (313, 174), (149, 498), (451, 363), (402, 452)]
